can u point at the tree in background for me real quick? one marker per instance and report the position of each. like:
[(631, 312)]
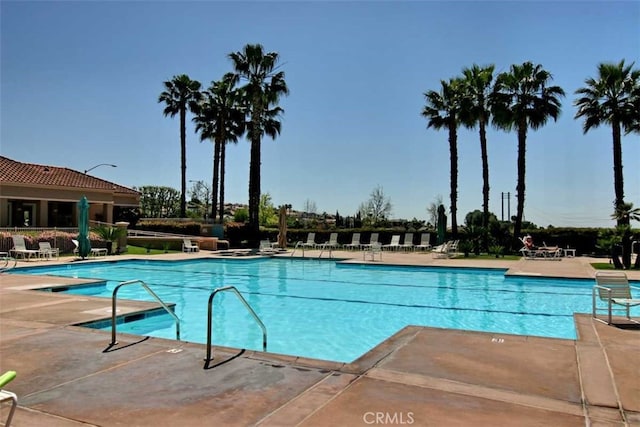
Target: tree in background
[(523, 98), (476, 111), (220, 119), (614, 99), (432, 210), (267, 212), (181, 93), (200, 194), (262, 91), (442, 111), (377, 209), (159, 202)]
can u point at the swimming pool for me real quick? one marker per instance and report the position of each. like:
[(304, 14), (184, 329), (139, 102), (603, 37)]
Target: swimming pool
[(334, 311)]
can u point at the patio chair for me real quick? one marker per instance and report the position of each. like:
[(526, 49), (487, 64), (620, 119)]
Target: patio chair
[(613, 288), (188, 246), (407, 243), (93, 251), (311, 241), (394, 244), (355, 242), (332, 243), (446, 250), (46, 251), (424, 242), (20, 248), (373, 249), (266, 248), (5, 395), (372, 240)]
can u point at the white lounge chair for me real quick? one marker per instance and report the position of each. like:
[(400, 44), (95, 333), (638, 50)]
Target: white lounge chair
[(394, 244), (6, 395), (266, 248), (332, 243), (46, 251), (613, 288), (20, 248), (372, 240), (445, 250), (188, 246), (424, 242), (311, 241), (407, 243), (94, 251), (355, 242), (371, 250)]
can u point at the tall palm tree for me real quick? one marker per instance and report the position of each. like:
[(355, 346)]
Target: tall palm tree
[(262, 91), (221, 120), (521, 99), (613, 98), (442, 111), (476, 110), (624, 213), (181, 93)]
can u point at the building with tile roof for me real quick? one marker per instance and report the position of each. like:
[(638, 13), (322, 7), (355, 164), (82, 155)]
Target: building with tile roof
[(47, 196)]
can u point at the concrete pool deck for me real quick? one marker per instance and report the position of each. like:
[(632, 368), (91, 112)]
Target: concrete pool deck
[(70, 376)]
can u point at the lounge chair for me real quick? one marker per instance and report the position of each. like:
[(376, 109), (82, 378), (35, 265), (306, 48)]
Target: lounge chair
[(613, 288), (424, 242), (94, 251), (372, 240), (5, 395), (371, 250), (446, 250), (407, 243), (355, 242), (543, 252), (394, 244), (311, 241), (46, 251), (266, 248), (188, 246), (332, 243), (20, 248)]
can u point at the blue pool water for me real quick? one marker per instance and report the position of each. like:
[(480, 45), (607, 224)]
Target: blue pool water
[(333, 311)]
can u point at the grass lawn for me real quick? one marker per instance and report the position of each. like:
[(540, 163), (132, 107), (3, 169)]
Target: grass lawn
[(602, 266), (139, 250)]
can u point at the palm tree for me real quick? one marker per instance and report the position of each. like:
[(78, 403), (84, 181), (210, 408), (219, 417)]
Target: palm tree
[(523, 99), (475, 110), (220, 119), (264, 87), (181, 93), (442, 110), (613, 98), (624, 214)]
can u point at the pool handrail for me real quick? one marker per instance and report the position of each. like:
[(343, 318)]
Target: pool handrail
[(153, 294), (210, 318), (7, 259)]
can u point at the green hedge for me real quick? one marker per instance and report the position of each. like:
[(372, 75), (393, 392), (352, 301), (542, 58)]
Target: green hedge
[(174, 227)]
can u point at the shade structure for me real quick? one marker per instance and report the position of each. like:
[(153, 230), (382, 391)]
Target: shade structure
[(84, 244), (282, 227), (442, 224)]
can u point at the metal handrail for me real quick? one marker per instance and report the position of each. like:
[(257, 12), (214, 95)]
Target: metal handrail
[(7, 259), (210, 318), (153, 294)]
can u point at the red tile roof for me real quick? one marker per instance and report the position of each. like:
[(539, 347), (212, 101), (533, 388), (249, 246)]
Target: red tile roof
[(13, 172)]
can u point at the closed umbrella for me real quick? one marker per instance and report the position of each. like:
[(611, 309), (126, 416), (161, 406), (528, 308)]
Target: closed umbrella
[(282, 226), (84, 245), (442, 224)]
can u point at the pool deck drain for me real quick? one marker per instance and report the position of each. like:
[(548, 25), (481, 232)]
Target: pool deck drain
[(69, 376)]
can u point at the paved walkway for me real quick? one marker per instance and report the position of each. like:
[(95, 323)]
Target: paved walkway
[(70, 376)]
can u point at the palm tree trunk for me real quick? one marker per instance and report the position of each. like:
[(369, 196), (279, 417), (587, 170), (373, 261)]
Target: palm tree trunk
[(485, 180), (618, 181), (223, 155), (520, 188), (254, 187), (183, 161), (453, 149), (216, 173)]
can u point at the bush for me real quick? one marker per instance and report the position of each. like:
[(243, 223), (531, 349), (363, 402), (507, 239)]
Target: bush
[(190, 228)]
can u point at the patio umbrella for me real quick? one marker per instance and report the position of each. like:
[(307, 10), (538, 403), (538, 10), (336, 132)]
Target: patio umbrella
[(442, 224), (84, 245), (282, 227)]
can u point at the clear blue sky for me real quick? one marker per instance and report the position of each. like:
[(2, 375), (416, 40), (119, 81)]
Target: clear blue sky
[(80, 83)]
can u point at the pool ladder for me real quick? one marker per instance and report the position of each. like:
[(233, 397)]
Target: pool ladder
[(153, 294), (6, 260), (210, 318)]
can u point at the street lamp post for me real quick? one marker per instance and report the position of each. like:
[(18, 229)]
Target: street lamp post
[(101, 164)]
